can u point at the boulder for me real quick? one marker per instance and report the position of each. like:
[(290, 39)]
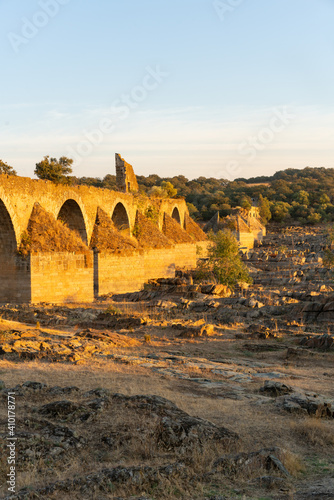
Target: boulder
[(248, 463), (275, 389), (308, 404), (323, 342)]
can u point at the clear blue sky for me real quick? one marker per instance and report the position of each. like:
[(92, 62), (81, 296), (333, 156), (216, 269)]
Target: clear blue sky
[(230, 88)]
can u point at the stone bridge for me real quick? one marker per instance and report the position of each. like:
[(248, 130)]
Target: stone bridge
[(59, 277), (76, 206)]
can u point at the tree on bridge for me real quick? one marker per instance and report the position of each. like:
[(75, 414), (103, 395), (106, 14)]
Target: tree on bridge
[(54, 170), (6, 169)]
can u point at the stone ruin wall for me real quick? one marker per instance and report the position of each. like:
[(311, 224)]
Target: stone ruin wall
[(253, 230), (125, 177)]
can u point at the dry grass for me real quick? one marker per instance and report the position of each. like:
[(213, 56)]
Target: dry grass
[(148, 234), (194, 230), (132, 433), (174, 232), (257, 426), (260, 424), (46, 234), (106, 237), (293, 463), (117, 377), (313, 432)]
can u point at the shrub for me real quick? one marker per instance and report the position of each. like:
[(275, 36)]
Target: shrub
[(113, 311), (4, 335), (152, 213), (136, 232), (328, 258), (224, 263)]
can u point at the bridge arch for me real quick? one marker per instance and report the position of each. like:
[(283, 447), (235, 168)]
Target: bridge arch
[(120, 218), (72, 215), (8, 239), (8, 247), (6, 205), (176, 215)]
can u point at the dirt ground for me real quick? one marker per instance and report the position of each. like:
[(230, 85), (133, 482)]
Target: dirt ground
[(217, 378), (179, 391)]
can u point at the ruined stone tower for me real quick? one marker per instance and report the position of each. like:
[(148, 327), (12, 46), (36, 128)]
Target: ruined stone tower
[(125, 178)]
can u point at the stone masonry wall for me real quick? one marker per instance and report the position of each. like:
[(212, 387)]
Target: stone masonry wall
[(76, 277), (15, 280), (125, 176), (259, 235), (62, 277), (185, 255), (117, 274), (246, 240)]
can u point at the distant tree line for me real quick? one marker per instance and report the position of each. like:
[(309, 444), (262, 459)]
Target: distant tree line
[(305, 196)]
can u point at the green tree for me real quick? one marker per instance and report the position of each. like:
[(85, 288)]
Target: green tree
[(324, 199), (6, 169), (314, 218), (224, 263), (169, 188), (302, 197), (166, 190), (157, 192), (193, 211), (225, 209), (264, 209), (328, 259), (300, 212), (54, 170), (246, 202), (280, 211), (109, 182)]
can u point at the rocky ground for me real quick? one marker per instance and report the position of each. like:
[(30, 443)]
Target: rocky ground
[(183, 390)]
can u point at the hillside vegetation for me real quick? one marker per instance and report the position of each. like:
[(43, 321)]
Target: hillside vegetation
[(305, 196)]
